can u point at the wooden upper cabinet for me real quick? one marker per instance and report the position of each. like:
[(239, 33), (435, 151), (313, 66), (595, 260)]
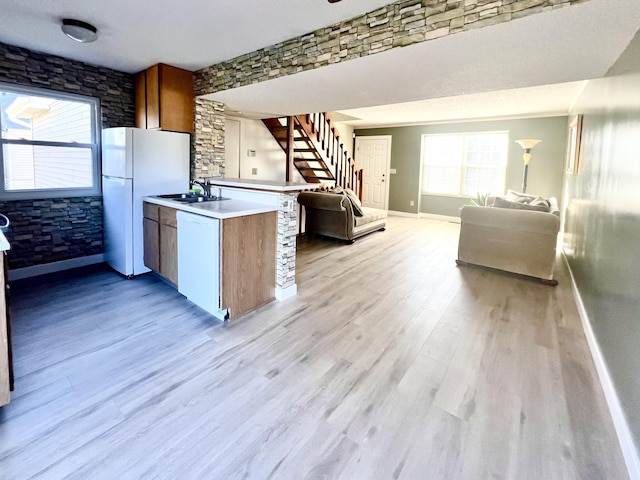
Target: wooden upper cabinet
[(164, 99)]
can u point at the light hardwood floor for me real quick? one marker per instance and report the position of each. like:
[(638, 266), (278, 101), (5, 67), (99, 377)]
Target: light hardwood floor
[(391, 363)]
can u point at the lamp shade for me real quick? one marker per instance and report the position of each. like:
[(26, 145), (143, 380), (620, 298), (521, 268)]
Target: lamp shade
[(79, 31), (528, 143)]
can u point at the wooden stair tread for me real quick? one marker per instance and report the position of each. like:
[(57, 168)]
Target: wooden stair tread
[(314, 145), (319, 169)]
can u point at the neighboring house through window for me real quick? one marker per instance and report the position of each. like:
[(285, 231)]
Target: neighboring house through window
[(49, 144), (465, 164)]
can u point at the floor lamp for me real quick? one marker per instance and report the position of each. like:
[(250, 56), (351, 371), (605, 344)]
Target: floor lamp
[(528, 145)]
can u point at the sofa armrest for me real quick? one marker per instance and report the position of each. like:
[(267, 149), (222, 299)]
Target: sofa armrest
[(328, 214), (324, 201)]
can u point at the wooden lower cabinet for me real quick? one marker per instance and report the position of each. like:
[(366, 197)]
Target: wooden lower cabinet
[(161, 240), (5, 371), (151, 232), (248, 262), (169, 253)]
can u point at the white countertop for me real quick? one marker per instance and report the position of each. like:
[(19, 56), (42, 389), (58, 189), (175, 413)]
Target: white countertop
[(218, 209), (267, 185), (4, 243)]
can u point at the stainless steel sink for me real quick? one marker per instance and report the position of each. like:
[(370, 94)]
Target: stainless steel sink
[(177, 196), (190, 198)]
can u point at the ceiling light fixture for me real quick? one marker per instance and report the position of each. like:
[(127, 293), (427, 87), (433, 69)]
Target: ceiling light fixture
[(79, 31)]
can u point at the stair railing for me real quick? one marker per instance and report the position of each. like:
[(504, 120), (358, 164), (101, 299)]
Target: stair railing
[(345, 170)]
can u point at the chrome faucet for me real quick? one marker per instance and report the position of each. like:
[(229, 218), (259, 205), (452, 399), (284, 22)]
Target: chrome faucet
[(204, 183)]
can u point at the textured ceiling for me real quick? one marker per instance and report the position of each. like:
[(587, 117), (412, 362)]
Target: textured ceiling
[(551, 48), (191, 34), (445, 76)]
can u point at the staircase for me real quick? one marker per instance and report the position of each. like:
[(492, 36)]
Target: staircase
[(312, 146)]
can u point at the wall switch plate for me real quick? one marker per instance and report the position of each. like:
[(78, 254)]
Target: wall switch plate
[(254, 171), (392, 171), (251, 153), (411, 203)]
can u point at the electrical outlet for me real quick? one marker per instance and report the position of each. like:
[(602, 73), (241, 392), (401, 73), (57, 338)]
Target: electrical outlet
[(411, 203), (254, 171)]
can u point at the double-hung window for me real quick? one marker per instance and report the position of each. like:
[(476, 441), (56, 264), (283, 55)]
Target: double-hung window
[(49, 144), (464, 164)]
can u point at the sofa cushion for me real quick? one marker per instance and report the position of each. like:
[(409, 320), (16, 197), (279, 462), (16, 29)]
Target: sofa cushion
[(522, 201), (356, 204), (500, 202), (519, 197), (370, 215)]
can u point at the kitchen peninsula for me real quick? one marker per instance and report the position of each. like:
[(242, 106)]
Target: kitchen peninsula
[(249, 238), (220, 254), (283, 196)]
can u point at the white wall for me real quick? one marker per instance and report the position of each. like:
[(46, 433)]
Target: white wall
[(269, 160), (346, 136)]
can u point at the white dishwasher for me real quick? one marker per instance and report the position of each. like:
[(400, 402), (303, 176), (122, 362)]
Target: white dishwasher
[(199, 261)]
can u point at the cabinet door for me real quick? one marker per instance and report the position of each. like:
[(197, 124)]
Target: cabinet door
[(151, 233), (153, 109), (141, 99), (176, 99), (4, 339), (248, 261), (169, 253)]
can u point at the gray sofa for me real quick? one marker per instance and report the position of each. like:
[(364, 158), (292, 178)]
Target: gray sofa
[(334, 215), (510, 239)]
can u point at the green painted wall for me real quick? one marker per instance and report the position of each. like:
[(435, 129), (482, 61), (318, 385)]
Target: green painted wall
[(545, 170), (602, 229)]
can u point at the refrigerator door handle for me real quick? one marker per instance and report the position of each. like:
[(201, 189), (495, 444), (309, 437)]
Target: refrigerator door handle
[(119, 180)]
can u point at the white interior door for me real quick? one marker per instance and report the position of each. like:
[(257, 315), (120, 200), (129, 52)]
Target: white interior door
[(373, 155), (232, 148)]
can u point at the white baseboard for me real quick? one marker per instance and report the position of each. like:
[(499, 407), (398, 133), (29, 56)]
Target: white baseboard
[(403, 214), (34, 271), (615, 408), (288, 292), (444, 218)]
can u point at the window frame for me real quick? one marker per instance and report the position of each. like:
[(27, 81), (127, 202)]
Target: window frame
[(462, 166), (94, 146)]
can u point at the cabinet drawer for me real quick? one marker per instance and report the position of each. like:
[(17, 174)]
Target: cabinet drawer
[(150, 211), (168, 216)]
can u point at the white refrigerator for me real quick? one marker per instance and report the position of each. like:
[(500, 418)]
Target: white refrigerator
[(137, 163)]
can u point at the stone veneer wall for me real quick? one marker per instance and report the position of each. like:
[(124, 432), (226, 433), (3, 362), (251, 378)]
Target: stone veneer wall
[(208, 140), (396, 25), (286, 243), (51, 230), (45, 231)]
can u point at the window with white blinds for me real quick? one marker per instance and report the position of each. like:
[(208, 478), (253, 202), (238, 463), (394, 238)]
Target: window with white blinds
[(49, 143), (464, 164)]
